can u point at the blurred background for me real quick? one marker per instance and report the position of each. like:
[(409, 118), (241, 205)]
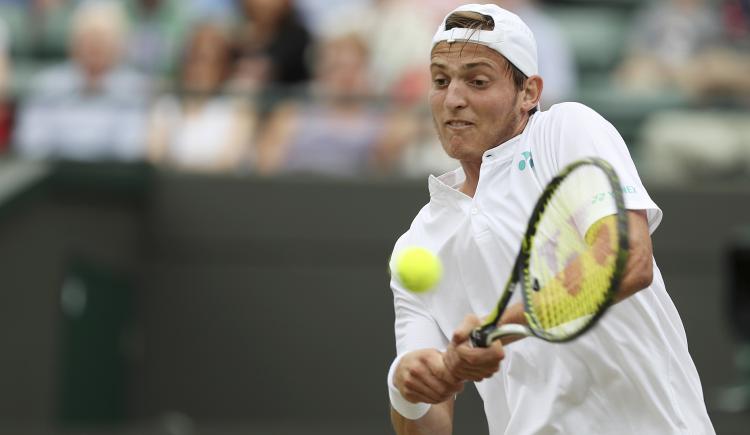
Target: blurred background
[(198, 199)]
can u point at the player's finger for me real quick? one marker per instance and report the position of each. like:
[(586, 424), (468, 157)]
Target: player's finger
[(428, 379), (477, 356), (455, 365), (461, 334), (440, 371), (473, 363), (417, 395)]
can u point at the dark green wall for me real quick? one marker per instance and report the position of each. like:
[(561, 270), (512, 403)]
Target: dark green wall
[(262, 302)]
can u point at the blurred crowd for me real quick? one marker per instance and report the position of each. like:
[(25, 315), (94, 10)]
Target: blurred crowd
[(333, 87)]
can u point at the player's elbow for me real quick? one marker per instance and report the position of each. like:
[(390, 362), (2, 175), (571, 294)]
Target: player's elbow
[(639, 273), (643, 273)]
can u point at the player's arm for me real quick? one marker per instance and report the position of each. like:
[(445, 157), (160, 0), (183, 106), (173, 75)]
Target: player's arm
[(418, 382), (638, 272), (438, 421)]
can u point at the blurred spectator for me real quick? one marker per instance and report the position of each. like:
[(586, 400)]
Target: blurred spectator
[(156, 34), (680, 45), (202, 129), (556, 61), (689, 48), (90, 107), (273, 43), (6, 105), (435, 10), (215, 10), (398, 35), (736, 19), (339, 131), (319, 14), (48, 24)]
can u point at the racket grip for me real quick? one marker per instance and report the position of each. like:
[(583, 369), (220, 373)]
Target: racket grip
[(483, 336), (480, 336)]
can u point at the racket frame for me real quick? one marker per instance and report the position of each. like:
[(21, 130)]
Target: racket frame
[(484, 335)]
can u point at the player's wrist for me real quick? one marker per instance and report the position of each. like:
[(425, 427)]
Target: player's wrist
[(410, 410)]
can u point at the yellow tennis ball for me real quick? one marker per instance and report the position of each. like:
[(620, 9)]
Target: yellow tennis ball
[(418, 269)]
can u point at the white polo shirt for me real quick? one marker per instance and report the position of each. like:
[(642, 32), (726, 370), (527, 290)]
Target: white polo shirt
[(631, 374)]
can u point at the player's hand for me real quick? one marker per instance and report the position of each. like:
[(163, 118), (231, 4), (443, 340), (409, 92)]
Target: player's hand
[(472, 363), (421, 376)]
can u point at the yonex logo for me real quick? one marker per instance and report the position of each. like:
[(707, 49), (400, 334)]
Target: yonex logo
[(599, 197), (526, 158)]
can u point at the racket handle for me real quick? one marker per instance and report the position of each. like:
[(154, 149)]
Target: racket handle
[(483, 336)]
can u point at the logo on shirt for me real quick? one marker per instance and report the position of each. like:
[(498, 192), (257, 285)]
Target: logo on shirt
[(599, 197), (527, 160)]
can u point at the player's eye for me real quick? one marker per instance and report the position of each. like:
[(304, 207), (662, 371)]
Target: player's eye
[(478, 83), (439, 82)]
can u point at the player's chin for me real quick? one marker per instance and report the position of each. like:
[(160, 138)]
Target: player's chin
[(461, 151), (454, 144)]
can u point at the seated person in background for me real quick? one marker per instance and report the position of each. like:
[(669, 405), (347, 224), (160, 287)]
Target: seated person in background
[(89, 108), (686, 47), (272, 45), (157, 32), (398, 69), (338, 131), (681, 45), (48, 23), (201, 129), (664, 38)]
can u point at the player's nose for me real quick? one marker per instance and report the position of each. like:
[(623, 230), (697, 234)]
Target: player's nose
[(455, 97)]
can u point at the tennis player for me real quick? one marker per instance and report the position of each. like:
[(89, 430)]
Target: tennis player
[(632, 374)]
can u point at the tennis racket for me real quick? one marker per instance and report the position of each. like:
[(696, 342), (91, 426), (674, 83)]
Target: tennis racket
[(571, 259)]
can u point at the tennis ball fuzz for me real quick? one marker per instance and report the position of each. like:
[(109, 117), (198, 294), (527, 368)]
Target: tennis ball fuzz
[(418, 269)]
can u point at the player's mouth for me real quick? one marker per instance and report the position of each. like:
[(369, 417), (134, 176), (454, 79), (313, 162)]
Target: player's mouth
[(458, 124)]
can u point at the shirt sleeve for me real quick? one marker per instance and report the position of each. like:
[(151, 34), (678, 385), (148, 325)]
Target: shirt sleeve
[(579, 132), (414, 326), (415, 329)]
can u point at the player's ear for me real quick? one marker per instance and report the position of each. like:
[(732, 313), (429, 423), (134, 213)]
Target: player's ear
[(531, 93)]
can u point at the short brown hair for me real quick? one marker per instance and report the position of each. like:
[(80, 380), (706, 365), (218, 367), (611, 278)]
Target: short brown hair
[(476, 22)]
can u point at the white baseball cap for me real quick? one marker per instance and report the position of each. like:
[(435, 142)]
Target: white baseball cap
[(510, 37)]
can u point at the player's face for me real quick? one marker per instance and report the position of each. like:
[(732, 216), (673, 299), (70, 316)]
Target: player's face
[(475, 105)]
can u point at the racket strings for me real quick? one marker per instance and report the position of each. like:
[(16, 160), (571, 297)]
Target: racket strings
[(573, 254)]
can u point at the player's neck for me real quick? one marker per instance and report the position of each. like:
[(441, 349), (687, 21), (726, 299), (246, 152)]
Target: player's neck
[(471, 172)]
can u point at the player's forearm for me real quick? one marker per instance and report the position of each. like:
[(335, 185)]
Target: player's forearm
[(639, 270), (437, 421)]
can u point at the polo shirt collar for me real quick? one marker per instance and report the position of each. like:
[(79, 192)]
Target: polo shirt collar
[(446, 186)]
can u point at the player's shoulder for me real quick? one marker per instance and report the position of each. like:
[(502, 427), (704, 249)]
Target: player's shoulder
[(568, 119), (571, 110)]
